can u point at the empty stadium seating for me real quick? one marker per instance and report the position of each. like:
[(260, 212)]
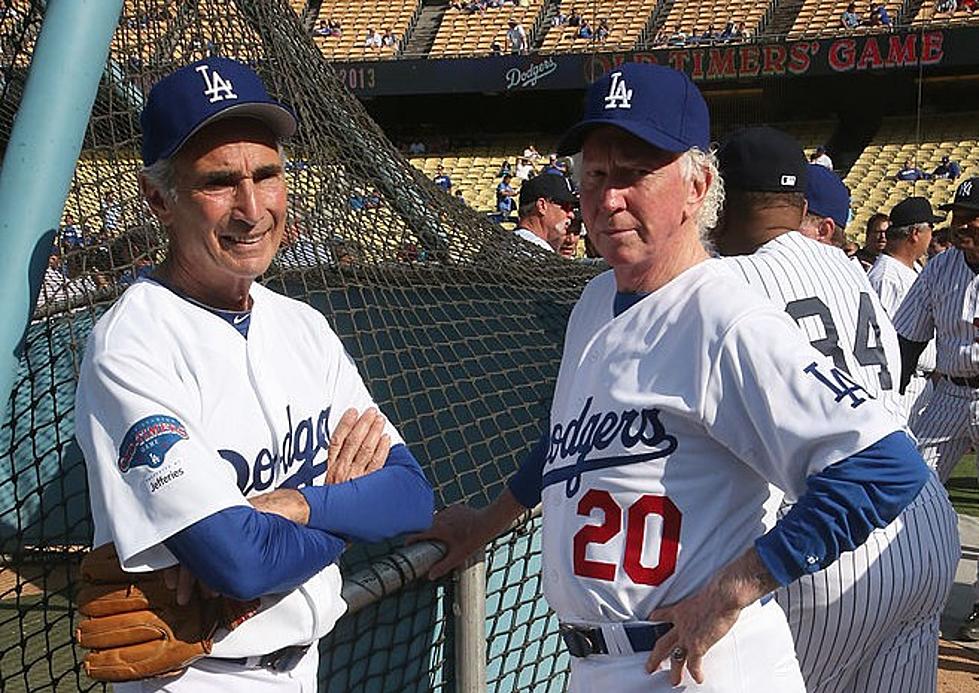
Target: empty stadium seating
[(698, 15), (356, 19), (473, 169), (871, 179), (626, 21), (462, 33)]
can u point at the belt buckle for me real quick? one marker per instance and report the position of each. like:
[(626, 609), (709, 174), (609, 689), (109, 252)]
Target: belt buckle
[(578, 641), (285, 659)]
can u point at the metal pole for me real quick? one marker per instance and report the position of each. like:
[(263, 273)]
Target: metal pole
[(45, 140), (469, 608)]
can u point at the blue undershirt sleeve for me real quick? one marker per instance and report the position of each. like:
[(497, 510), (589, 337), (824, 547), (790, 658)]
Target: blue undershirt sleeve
[(526, 482), (842, 505), (393, 500), (242, 553)]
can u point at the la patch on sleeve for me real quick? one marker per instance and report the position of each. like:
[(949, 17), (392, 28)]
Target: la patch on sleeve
[(148, 440)]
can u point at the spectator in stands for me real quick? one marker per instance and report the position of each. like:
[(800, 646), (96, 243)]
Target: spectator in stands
[(941, 240), (373, 39), (910, 172), (459, 196), (504, 198), (850, 19), (111, 213), (389, 40), (524, 170), (709, 35), (553, 167), (574, 19), (323, 29), (545, 212), (73, 235), (559, 19), (517, 36), (661, 37), (603, 30), (876, 239), (727, 33), (584, 31), (442, 179), (947, 169), (678, 37), (821, 158), (882, 18), (496, 48), (743, 32), (505, 169), (531, 153)]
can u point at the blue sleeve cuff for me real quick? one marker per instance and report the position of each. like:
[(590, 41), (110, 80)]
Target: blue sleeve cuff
[(242, 553), (843, 504), (393, 500), (526, 482)]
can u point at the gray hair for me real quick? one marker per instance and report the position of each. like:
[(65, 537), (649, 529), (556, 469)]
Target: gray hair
[(897, 233), (696, 164)]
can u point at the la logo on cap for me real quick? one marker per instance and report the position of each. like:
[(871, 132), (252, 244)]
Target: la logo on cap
[(618, 95), (217, 87)]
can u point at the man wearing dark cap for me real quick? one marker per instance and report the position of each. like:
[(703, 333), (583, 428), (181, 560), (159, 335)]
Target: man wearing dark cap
[(896, 270), (681, 396), (830, 299), (943, 303), (546, 210), (827, 207), (214, 416)]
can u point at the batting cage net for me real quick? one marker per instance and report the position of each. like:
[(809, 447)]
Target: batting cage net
[(455, 324)]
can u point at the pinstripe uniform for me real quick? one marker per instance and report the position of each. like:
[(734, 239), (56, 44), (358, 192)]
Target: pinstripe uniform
[(943, 303), (892, 280), (868, 622)]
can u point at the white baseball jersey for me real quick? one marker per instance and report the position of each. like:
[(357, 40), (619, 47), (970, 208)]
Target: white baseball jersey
[(668, 423), (836, 308), (892, 280), (180, 417), (942, 304), (839, 647)]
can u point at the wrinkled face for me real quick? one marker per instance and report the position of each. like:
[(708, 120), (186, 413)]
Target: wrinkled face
[(635, 201), (228, 217), (569, 245), (555, 218), (965, 233)]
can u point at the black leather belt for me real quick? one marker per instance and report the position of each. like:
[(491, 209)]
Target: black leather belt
[(280, 660), (582, 642), (972, 382)]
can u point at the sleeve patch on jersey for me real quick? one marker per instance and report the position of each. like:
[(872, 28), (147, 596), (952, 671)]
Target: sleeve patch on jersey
[(148, 441)]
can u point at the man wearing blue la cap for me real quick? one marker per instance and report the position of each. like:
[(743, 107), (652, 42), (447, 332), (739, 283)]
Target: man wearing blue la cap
[(220, 424), (681, 396)]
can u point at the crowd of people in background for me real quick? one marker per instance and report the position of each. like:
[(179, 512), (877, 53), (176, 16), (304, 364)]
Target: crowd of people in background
[(679, 37), (876, 15)]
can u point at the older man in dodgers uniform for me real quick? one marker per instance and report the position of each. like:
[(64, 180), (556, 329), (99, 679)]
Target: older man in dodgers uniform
[(681, 396), (201, 390)]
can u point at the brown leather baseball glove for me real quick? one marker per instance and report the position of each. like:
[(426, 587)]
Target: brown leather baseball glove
[(134, 627)]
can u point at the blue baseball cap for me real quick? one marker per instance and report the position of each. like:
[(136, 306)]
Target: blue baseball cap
[(182, 103), (657, 104), (827, 196)]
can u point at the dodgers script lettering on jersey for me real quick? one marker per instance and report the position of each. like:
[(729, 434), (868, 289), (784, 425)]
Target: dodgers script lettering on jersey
[(663, 429), (302, 443)]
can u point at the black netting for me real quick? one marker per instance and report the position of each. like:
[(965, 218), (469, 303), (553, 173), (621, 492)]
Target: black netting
[(455, 324)]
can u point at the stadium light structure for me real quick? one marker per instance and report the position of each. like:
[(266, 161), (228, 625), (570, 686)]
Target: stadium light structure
[(46, 138)]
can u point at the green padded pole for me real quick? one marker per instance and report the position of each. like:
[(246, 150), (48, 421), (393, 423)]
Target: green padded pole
[(47, 134)]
